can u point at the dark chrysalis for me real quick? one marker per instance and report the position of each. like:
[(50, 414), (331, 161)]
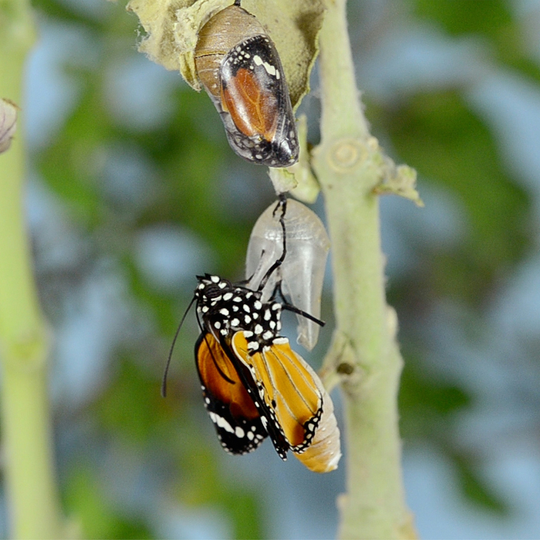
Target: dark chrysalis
[(240, 68)]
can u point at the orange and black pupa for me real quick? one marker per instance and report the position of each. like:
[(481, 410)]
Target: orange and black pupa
[(240, 68)]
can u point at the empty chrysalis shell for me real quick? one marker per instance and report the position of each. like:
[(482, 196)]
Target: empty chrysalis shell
[(240, 69), (302, 271)]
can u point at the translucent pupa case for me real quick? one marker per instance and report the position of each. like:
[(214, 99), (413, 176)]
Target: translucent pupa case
[(302, 271)]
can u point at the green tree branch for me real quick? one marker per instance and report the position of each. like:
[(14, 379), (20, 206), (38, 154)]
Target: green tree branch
[(31, 488), (350, 164)]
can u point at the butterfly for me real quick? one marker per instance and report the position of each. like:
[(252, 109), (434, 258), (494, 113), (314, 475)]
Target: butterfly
[(254, 385)]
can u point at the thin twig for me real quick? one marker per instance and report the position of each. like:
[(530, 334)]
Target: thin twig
[(26, 435)]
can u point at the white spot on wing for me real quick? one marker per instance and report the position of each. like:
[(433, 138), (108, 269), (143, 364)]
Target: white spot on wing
[(270, 69), (221, 422)]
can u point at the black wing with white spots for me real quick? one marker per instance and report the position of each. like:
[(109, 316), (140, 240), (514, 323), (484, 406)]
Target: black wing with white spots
[(237, 420), (226, 310)]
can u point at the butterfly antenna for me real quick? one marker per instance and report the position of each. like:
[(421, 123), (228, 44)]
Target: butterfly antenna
[(290, 307), (305, 314), (165, 373)]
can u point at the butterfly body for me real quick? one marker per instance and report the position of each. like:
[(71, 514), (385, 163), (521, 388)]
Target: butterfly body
[(225, 309)]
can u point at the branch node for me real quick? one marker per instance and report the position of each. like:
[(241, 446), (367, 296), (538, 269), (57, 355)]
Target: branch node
[(341, 366), (346, 154), (398, 180), (29, 352)]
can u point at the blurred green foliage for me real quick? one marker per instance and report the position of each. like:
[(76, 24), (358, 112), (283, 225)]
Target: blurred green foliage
[(487, 18), (94, 513), (188, 168), (491, 20), (451, 147), (438, 133), (192, 185)]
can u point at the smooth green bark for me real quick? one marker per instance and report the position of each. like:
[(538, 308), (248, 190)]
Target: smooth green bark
[(30, 483), (349, 165)]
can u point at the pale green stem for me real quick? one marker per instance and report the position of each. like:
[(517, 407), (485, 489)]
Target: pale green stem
[(349, 164), (26, 436)]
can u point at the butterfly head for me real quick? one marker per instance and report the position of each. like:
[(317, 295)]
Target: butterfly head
[(225, 308)]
